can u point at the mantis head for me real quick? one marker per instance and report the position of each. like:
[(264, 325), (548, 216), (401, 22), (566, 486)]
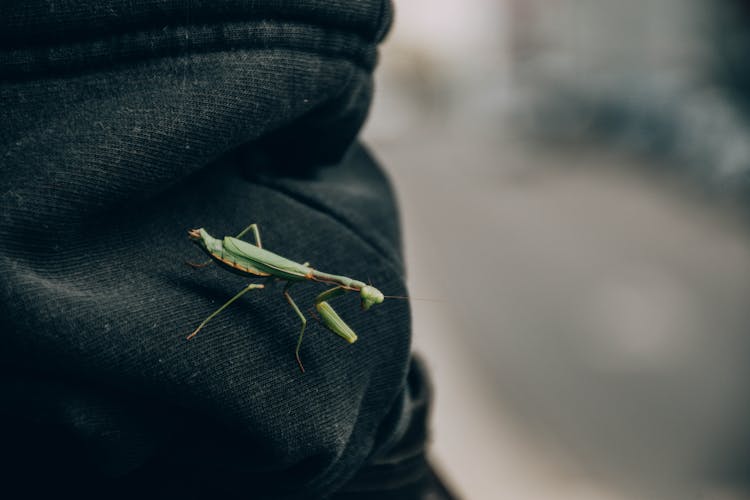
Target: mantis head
[(370, 295)]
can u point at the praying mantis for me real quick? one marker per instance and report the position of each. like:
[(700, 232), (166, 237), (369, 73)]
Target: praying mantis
[(247, 259)]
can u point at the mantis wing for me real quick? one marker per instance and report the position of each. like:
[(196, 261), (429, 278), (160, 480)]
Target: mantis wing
[(266, 261)]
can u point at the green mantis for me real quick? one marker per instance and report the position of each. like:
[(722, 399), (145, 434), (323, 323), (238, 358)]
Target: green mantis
[(247, 259)]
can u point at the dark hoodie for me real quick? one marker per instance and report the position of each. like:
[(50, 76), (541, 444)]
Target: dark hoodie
[(125, 124)]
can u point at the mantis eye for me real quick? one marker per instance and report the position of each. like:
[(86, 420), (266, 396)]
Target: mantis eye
[(370, 295)]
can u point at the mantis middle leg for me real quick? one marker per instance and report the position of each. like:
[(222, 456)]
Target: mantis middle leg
[(302, 318)]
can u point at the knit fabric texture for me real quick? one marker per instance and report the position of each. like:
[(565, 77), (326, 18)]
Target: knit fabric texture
[(127, 123)]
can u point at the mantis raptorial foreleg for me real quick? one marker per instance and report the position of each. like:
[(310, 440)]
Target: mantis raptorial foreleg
[(330, 293), (330, 318), (301, 317), (244, 290)]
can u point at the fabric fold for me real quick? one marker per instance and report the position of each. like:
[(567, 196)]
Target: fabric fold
[(125, 124)]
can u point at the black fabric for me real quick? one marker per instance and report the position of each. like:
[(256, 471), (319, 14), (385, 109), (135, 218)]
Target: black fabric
[(124, 124)]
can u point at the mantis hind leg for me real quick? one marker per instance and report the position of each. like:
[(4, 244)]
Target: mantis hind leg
[(256, 234), (304, 323), (244, 290), (198, 266)]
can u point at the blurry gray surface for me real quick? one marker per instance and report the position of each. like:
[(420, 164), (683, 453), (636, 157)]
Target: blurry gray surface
[(591, 335)]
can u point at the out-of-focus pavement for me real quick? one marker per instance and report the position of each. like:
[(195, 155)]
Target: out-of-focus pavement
[(589, 334)]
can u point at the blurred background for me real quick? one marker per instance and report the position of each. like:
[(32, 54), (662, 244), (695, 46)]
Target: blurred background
[(573, 178)]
